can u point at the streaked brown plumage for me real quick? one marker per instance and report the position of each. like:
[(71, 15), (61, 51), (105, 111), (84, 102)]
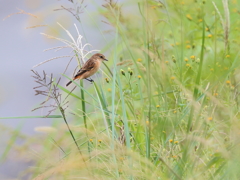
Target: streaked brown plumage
[(89, 68)]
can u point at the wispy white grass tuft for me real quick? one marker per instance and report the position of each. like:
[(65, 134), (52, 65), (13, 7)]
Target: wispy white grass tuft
[(77, 46)]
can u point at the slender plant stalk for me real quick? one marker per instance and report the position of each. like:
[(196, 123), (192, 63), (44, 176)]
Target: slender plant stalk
[(83, 106), (65, 120), (197, 83)]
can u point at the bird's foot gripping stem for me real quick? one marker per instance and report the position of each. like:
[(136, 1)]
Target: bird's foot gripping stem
[(90, 80)]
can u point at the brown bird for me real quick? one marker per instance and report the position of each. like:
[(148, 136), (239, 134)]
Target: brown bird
[(89, 68)]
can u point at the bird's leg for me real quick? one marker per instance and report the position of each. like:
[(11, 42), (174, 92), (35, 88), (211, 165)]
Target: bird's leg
[(90, 80)]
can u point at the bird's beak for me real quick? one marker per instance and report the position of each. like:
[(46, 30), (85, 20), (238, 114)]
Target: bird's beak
[(105, 60)]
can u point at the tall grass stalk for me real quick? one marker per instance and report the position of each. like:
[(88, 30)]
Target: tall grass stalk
[(197, 83)]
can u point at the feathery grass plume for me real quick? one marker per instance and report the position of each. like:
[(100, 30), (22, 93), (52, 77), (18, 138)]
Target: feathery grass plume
[(76, 11), (36, 26), (21, 12), (77, 46), (51, 92), (41, 63), (113, 12)]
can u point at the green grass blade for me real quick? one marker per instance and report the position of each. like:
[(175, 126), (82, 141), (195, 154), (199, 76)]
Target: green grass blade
[(124, 114), (197, 83), (11, 142)]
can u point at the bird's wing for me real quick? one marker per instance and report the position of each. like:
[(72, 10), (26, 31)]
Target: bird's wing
[(86, 67)]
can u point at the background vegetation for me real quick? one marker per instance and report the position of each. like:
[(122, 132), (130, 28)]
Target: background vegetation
[(165, 106)]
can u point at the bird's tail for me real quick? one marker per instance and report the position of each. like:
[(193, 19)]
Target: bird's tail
[(68, 83)]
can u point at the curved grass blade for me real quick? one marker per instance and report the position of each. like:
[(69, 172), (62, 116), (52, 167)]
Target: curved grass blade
[(29, 117)]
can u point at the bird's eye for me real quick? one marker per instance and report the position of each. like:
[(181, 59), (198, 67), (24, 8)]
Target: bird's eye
[(101, 56)]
